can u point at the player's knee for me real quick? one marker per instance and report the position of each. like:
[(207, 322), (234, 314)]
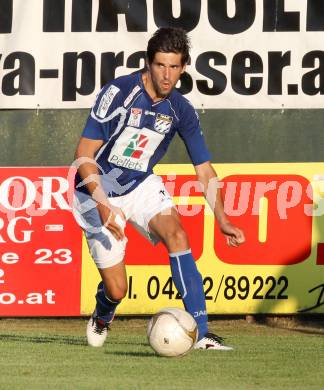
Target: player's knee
[(117, 291), (177, 238)]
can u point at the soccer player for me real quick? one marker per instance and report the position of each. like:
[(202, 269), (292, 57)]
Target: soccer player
[(129, 129)]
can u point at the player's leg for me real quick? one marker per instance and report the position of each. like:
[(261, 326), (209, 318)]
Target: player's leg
[(108, 254), (187, 279), (111, 290), (156, 215), (156, 218)]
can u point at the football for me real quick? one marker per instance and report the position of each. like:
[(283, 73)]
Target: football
[(172, 332)]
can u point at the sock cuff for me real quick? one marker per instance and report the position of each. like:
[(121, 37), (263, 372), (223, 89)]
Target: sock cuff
[(101, 287), (110, 300), (181, 253)]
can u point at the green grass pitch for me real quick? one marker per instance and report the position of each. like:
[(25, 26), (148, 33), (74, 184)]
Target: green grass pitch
[(52, 354)]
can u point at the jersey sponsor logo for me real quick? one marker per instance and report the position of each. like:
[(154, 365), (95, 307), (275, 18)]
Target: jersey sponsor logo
[(134, 148), (106, 101), (135, 117), (130, 97), (163, 123), (126, 163)]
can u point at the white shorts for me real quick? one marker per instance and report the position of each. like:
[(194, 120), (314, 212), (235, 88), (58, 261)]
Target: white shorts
[(139, 207)]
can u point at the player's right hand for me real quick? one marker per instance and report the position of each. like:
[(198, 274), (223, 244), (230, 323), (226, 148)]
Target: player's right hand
[(113, 219)]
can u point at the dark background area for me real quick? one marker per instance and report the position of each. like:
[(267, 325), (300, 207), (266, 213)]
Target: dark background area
[(49, 137)]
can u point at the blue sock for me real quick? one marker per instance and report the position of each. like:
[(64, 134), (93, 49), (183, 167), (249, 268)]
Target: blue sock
[(106, 307), (188, 282)]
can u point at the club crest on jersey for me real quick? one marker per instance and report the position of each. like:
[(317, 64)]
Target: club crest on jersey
[(135, 117), (162, 123)]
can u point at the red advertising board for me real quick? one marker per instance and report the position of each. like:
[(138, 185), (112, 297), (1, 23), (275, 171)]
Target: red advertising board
[(46, 269), (289, 228), (40, 244)]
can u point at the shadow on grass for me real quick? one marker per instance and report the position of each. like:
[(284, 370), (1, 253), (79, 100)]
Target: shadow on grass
[(305, 331), (43, 339), (133, 354), (67, 340), (297, 323), (142, 344)]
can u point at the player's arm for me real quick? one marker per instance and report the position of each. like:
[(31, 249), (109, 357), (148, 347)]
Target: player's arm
[(88, 171), (207, 177)]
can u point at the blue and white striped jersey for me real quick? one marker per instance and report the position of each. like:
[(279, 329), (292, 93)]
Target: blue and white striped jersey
[(137, 132)]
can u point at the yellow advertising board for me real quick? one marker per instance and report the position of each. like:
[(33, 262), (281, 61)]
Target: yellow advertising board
[(280, 268)]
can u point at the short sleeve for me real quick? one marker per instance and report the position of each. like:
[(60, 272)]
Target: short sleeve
[(101, 118), (192, 135)]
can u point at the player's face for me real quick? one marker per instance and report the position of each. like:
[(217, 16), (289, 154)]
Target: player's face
[(165, 71)]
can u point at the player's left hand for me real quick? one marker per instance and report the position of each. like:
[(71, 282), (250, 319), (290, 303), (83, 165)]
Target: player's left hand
[(234, 235)]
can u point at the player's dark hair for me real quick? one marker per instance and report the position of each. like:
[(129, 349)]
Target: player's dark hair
[(169, 40)]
